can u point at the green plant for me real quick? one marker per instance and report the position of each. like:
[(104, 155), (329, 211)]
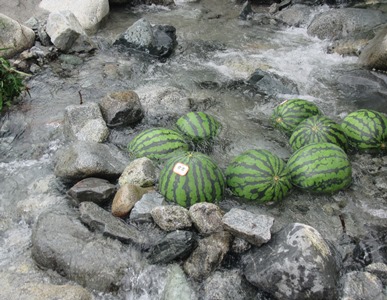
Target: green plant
[(11, 83)]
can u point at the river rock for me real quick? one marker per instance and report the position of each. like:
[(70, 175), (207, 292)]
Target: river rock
[(297, 263), (378, 269), (101, 220), (62, 243), (21, 286), (93, 189), (121, 108), (296, 15), (342, 22), (141, 211), (82, 159), (207, 217), (85, 123), (374, 55), (246, 225), (126, 197), (89, 13), (66, 33), (140, 171), (159, 40), (361, 285), (176, 244), (228, 284), (171, 217), (163, 103), (14, 36), (208, 255), (177, 285), (240, 245)]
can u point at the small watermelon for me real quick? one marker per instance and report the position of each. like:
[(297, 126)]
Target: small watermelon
[(287, 115), (190, 178), (198, 126), (258, 175), (366, 130), (157, 143), (320, 168), (318, 129)]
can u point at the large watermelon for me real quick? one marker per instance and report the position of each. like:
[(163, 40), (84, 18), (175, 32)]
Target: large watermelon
[(318, 129), (258, 175), (320, 168), (366, 130), (198, 126), (191, 177), (157, 143), (287, 115)]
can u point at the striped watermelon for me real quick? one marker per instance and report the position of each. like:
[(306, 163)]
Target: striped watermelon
[(318, 129), (366, 130), (258, 175), (157, 143), (198, 126), (320, 168), (287, 115), (190, 178)]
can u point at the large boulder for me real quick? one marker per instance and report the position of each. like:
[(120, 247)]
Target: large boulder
[(89, 13), (14, 37), (296, 15), (61, 243), (374, 55), (87, 159), (343, 22), (297, 263)]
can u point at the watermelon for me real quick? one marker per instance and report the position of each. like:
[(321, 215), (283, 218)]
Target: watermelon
[(287, 115), (258, 175), (198, 126), (318, 129), (190, 178), (366, 130), (320, 168), (157, 143)]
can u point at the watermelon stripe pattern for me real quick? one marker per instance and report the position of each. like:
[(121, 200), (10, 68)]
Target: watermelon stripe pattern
[(318, 129), (366, 130), (198, 126), (157, 143), (287, 115), (258, 175), (320, 168), (204, 181)]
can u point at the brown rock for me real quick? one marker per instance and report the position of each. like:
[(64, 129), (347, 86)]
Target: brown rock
[(126, 197), (207, 217)]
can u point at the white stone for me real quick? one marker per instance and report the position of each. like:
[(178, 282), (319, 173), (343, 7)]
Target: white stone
[(88, 12), (14, 36)]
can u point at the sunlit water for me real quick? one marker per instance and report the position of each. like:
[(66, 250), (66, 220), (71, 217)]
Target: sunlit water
[(221, 49)]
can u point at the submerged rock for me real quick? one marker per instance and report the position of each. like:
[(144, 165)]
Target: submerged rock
[(14, 37), (295, 264), (177, 286)]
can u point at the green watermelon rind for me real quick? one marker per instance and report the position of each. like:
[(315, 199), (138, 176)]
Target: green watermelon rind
[(320, 168), (318, 129), (258, 175), (288, 114), (198, 126), (204, 182), (157, 144), (366, 130)]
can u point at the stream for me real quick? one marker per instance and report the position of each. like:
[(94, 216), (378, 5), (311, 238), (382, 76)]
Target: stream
[(215, 56)]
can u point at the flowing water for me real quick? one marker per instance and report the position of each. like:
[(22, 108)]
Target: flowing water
[(216, 53)]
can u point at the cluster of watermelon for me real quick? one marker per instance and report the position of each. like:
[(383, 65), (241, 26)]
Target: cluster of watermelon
[(319, 163)]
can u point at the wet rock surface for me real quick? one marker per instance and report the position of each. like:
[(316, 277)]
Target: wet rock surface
[(361, 285), (297, 263), (206, 217), (141, 211), (141, 171)]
